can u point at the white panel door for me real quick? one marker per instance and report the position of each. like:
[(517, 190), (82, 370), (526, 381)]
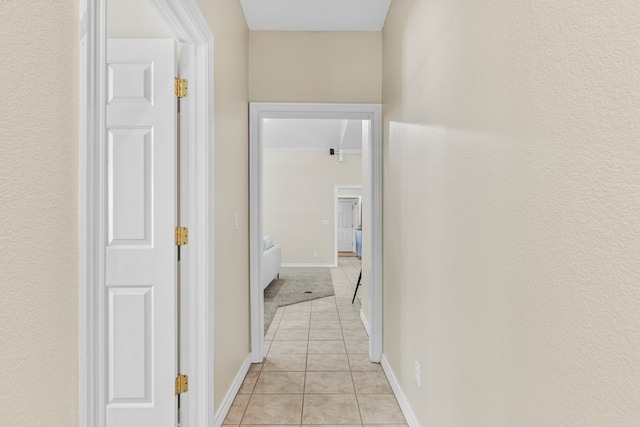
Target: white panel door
[(345, 226), (141, 218)]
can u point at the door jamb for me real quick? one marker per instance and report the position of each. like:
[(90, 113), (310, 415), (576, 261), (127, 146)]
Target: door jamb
[(190, 28), (263, 110)]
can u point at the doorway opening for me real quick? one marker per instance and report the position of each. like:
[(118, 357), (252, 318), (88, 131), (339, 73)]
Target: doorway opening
[(347, 227), (370, 114)]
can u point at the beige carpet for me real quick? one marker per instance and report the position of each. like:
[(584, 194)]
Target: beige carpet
[(296, 284)]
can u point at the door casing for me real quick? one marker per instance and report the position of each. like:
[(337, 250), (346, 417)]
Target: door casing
[(191, 29), (351, 203), (258, 111), (354, 201), (336, 199)]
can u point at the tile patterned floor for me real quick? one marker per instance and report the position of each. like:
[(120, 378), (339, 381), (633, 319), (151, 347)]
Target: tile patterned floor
[(317, 370)]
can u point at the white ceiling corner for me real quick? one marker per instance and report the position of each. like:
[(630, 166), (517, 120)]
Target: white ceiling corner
[(315, 15)]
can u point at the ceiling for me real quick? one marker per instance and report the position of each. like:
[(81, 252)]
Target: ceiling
[(311, 134), (315, 15)]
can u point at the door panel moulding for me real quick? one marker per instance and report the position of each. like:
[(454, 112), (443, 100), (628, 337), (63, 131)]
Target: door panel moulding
[(190, 29), (258, 111)]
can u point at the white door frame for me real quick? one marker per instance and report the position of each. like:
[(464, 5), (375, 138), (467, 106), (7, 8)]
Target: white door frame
[(190, 28), (336, 200), (258, 111)]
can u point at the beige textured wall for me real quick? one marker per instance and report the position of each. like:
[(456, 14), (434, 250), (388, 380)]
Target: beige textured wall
[(298, 193), (512, 195), (315, 67), (231, 293), (38, 213)]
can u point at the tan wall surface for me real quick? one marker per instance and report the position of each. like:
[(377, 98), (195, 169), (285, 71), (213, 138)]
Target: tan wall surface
[(231, 311), (315, 67), (38, 213), (511, 203), (298, 193), (350, 192)]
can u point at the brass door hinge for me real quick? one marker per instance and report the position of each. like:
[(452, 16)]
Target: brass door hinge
[(181, 87), (182, 384), (182, 236)]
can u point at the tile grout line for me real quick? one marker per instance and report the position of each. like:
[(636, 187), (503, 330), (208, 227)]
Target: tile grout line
[(306, 361), (344, 342)]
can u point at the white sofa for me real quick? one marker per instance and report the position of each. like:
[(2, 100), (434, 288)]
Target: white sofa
[(271, 260)]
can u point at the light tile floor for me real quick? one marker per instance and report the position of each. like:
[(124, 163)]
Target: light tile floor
[(317, 369)]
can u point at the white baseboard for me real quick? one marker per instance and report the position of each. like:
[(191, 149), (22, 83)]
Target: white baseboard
[(412, 421), (365, 322), (231, 394), (308, 265)]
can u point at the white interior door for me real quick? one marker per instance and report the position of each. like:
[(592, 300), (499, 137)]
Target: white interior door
[(141, 218), (345, 225)]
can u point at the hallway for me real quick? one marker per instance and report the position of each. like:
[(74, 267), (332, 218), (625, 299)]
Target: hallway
[(317, 371)]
